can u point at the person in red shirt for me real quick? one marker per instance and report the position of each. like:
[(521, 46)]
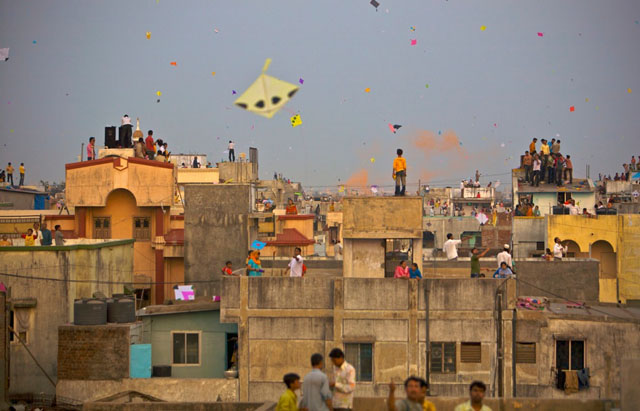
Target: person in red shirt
[(227, 270), (568, 169), (148, 142)]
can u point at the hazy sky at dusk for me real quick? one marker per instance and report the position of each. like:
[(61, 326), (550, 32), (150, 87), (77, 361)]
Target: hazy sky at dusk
[(77, 66)]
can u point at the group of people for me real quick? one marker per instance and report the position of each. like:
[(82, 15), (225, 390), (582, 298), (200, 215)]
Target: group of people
[(527, 210), (253, 266), (37, 236), (6, 175), (547, 163), (625, 175), (404, 271), (335, 393), (151, 149)]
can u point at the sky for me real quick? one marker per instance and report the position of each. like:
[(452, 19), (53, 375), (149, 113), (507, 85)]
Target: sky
[(482, 80)]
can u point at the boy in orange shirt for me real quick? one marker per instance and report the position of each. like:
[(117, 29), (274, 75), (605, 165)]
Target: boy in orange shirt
[(400, 173)]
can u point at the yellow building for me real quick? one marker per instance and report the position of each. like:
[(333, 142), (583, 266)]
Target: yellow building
[(118, 198), (612, 239)]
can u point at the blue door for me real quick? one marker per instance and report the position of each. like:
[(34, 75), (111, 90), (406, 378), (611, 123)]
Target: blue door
[(140, 361)]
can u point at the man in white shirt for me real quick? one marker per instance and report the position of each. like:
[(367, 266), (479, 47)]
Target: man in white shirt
[(504, 257), (296, 264), (573, 210), (337, 250), (232, 151), (450, 247), (558, 249)]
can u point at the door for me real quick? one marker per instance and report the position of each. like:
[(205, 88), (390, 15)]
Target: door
[(140, 361)]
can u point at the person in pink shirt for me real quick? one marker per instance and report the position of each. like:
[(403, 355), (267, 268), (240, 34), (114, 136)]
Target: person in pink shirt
[(91, 149), (402, 271)]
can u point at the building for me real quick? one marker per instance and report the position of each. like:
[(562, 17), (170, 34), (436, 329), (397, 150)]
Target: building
[(612, 239), (23, 199), (291, 231), (548, 196), (188, 337), (451, 331), (42, 298), (468, 199), (379, 232), (117, 198)]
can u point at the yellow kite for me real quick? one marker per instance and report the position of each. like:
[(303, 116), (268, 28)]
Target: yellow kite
[(267, 95)]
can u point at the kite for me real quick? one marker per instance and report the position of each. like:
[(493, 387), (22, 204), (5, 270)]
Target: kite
[(148, 35), (267, 95), (4, 54), (258, 245), (375, 4), (296, 120), (174, 63), (394, 127)]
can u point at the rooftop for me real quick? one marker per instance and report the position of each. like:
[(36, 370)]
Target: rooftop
[(22, 190), (580, 185), (180, 307), (290, 236)]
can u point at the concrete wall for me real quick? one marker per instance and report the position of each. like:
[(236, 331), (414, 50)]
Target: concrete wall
[(213, 342), (108, 261), (575, 279), (17, 200), (364, 258), (382, 217), (99, 352), (198, 175), (167, 389), (282, 321), (630, 379), (216, 230), (527, 232), (621, 339), (89, 183), (621, 232), (236, 172)]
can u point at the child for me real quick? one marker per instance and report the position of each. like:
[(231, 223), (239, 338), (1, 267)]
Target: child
[(288, 400), (503, 271), (226, 270), (29, 238), (414, 271)]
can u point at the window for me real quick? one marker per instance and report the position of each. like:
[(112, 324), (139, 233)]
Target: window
[(539, 245), (142, 228), (102, 227), (186, 348), (443, 357), (569, 354), (525, 353), (563, 197), (470, 352), (361, 357), (428, 239), (19, 322)]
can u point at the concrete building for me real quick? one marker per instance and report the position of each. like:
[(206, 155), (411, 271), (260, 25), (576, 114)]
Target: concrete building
[(189, 337), (39, 306), (469, 198), (23, 199), (449, 330), (219, 225), (612, 239), (548, 196), (291, 231), (379, 232), (117, 198)]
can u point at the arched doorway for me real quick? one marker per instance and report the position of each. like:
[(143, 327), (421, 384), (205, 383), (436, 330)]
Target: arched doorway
[(603, 251), (573, 249)]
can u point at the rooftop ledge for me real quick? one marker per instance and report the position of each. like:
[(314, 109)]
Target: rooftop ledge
[(85, 246)]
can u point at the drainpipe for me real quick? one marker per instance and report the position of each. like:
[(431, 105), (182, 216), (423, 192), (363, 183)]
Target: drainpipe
[(513, 353), (427, 287), (499, 349)]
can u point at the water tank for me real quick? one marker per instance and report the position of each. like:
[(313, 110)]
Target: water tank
[(89, 311), (121, 310)]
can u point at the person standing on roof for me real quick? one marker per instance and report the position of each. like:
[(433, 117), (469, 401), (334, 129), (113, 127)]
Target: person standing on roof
[(400, 173), (232, 151)]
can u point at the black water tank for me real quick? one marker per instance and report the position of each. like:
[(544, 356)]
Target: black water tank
[(161, 371), (89, 311), (121, 310)]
